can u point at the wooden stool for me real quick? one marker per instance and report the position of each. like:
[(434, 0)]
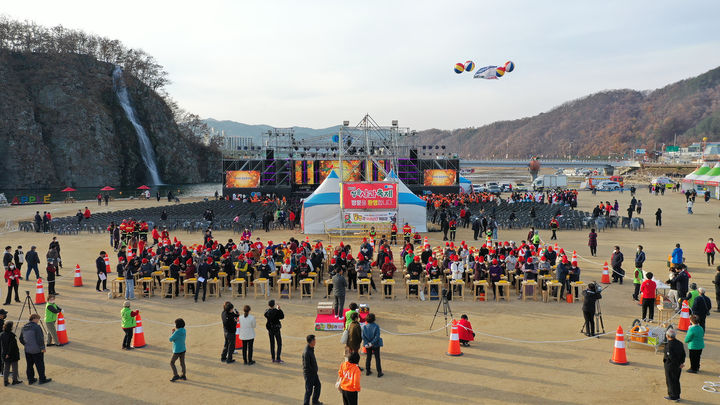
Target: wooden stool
[(158, 276), (166, 287), (117, 287), (309, 283), (459, 291), (555, 286), (146, 287), (429, 284), (502, 286), (314, 276), (328, 286), (261, 281), (222, 276), (237, 288), (526, 285), (285, 284), (165, 270), (390, 286), (664, 314), (409, 283), (363, 282), (579, 285), (477, 295), (213, 287), (187, 283)]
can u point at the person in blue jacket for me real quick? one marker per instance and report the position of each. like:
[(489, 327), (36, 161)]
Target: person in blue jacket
[(372, 343), (677, 256), (178, 340)]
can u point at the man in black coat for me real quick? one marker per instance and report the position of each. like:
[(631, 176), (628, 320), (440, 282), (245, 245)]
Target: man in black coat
[(717, 289), (701, 307), (590, 297), (229, 318), (674, 361), (310, 372), (101, 272), (616, 261), (274, 315), (32, 259)]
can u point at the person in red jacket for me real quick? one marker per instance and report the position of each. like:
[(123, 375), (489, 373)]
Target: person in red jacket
[(647, 288), (465, 331), (12, 277), (393, 233)]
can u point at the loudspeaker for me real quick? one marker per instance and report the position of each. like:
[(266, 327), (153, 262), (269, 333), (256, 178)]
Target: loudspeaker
[(413, 154), (269, 154)]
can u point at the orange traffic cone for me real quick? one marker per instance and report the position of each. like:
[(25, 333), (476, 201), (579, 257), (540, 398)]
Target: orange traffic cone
[(454, 346), (62, 330), (39, 292), (78, 277), (425, 242), (618, 356), (238, 341), (139, 337), (556, 246), (605, 275), (684, 322), (574, 256), (569, 298), (107, 264)]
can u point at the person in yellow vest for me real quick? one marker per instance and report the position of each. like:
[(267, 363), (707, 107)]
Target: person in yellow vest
[(407, 231), (51, 311), (372, 232), (637, 280)]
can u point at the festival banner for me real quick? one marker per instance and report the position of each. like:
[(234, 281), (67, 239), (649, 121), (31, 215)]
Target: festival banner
[(438, 177), (242, 178), (369, 195), (373, 217), (351, 169)]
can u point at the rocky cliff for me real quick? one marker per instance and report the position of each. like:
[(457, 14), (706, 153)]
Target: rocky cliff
[(61, 124)]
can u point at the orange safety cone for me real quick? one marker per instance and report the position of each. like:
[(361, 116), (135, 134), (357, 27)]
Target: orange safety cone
[(684, 322), (39, 292), (556, 246), (569, 298), (78, 277), (619, 356), (238, 341), (139, 337), (62, 330), (605, 275), (107, 264), (574, 256), (454, 346), (425, 241)]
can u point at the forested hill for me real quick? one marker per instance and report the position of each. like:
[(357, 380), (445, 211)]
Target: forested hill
[(608, 123)]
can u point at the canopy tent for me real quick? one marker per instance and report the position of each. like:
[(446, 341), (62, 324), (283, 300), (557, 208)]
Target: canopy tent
[(465, 185), (709, 182), (710, 175), (67, 190), (143, 187), (688, 181), (411, 208), (107, 188), (321, 210)]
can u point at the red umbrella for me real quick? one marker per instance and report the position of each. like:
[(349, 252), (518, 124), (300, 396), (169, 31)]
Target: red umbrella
[(67, 190), (143, 187), (107, 188)]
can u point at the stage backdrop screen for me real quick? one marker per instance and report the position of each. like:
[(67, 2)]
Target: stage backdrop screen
[(304, 172), (440, 177), (369, 196), (351, 169), (242, 179)]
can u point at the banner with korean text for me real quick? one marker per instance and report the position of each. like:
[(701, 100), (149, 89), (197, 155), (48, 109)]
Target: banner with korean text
[(369, 196)]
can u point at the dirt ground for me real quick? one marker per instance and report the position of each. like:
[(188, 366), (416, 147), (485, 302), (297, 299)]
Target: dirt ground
[(93, 368)]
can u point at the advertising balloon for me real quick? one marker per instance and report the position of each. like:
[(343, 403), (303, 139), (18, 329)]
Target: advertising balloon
[(459, 68)]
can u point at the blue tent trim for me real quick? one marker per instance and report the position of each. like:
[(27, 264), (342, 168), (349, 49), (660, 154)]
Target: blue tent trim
[(464, 180), (408, 198), (323, 199)]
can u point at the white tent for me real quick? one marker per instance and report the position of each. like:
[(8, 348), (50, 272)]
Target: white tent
[(322, 209), (465, 185), (688, 183), (411, 208)]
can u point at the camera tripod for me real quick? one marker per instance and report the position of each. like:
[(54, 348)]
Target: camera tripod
[(27, 302), (446, 310)]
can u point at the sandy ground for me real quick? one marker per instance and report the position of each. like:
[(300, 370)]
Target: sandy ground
[(93, 369)]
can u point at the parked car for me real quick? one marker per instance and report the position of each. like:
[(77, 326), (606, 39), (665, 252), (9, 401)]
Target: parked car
[(609, 186), (478, 188), (506, 187), (520, 187), (494, 189)]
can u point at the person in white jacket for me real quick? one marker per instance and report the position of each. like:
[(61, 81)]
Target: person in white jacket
[(457, 269), (247, 334)]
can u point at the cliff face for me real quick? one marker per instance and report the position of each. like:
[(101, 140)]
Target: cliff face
[(61, 124)]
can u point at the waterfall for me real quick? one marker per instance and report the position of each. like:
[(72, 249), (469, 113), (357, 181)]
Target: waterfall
[(146, 149)]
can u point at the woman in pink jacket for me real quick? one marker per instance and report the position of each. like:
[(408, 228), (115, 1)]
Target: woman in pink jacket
[(710, 249)]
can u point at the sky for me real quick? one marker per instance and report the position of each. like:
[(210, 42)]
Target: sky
[(318, 63)]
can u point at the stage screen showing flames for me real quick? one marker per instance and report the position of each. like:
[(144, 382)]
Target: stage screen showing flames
[(369, 196), (306, 174), (242, 179), (438, 177), (351, 169)]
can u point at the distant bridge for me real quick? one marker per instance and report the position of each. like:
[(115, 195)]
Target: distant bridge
[(607, 165)]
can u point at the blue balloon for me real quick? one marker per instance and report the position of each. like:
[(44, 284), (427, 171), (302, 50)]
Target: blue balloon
[(336, 138)]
